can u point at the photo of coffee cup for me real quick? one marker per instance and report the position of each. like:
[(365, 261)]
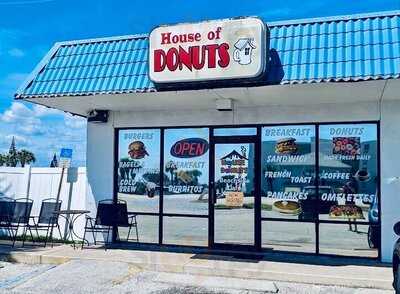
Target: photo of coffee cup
[(362, 175)]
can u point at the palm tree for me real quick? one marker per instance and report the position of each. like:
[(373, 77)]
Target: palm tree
[(25, 157), (195, 175), (170, 168), (2, 159)]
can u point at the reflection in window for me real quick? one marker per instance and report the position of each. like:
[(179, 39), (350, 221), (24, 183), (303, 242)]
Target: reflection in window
[(147, 227), (235, 132), (288, 172), (338, 239), (189, 231), (234, 193), (348, 172), (288, 236), (186, 171), (139, 169)]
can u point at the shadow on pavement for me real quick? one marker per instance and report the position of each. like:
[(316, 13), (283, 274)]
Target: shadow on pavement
[(254, 257)]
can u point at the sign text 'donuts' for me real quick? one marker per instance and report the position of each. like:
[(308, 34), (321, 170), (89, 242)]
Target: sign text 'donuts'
[(212, 50)]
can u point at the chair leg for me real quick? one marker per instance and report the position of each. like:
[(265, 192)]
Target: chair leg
[(129, 232), (52, 236), (30, 232), (106, 240), (14, 236), (94, 238), (37, 233), (83, 239), (10, 233), (137, 231), (59, 231), (24, 236), (47, 236)]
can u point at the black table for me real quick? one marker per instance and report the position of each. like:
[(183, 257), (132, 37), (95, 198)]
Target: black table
[(70, 216)]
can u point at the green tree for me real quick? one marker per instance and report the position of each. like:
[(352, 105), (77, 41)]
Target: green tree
[(195, 174), (2, 159), (54, 162), (171, 168), (25, 157), (12, 156)]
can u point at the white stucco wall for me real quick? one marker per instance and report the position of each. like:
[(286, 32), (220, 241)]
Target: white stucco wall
[(100, 160), (100, 152), (390, 171)]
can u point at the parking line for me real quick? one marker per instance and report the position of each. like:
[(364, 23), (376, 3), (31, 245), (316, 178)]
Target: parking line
[(17, 280)]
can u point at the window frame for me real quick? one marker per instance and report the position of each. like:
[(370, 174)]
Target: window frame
[(261, 219)]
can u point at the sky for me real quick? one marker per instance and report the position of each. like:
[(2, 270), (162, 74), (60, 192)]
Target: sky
[(29, 28)]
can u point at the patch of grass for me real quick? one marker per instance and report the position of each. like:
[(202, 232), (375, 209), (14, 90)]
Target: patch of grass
[(41, 239)]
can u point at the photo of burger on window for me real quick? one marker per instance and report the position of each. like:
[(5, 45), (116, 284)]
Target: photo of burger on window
[(286, 146), (137, 150)]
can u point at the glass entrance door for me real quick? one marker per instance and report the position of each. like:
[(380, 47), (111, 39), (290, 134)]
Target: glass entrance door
[(234, 193)]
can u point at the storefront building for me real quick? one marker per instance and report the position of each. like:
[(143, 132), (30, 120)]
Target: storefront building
[(242, 134)]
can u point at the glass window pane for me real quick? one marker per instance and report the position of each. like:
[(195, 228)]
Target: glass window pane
[(288, 172), (185, 231), (288, 236), (147, 230), (186, 171), (234, 193), (139, 169), (350, 240), (235, 132), (348, 172)]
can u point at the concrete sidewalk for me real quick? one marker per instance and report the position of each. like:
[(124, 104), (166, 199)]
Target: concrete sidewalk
[(347, 272)]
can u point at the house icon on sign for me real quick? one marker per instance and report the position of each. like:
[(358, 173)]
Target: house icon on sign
[(243, 50)]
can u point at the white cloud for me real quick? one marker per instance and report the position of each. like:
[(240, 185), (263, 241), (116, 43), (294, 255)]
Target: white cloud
[(74, 122), (32, 129), (24, 119), (45, 131), (16, 52), (16, 113), (20, 141), (41, 111)]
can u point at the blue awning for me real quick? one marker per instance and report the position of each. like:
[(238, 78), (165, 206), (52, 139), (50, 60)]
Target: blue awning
[(333, 49)]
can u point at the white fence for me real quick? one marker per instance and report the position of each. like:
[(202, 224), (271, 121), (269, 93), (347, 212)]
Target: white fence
[(40, 183)]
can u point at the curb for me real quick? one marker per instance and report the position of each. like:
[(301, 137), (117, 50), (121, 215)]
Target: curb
[(316, 279), (33, 258)]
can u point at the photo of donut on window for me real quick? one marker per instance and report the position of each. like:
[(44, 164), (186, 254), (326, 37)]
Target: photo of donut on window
[(346, 145)]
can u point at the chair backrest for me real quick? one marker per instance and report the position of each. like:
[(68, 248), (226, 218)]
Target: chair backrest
[(47, 209), (111, 214), (121, 217), (22, 210), (7, 206)]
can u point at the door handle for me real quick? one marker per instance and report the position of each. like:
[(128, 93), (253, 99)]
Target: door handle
[(212, 193)]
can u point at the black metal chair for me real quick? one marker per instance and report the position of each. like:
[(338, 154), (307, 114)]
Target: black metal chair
[(7, 207), (47, 219), (20, 218), (123, 219), (109, 215)]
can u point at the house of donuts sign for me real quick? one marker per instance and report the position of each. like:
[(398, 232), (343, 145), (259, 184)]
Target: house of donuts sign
[(212, 50)]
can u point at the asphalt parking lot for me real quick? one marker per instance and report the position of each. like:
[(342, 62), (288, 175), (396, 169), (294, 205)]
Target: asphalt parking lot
[(94, 276)]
